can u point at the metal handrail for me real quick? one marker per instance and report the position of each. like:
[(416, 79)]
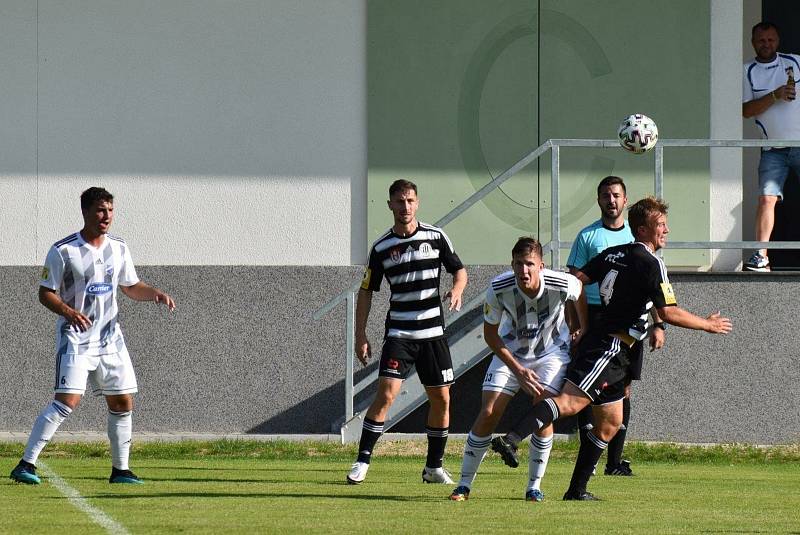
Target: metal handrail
[(555, 244)]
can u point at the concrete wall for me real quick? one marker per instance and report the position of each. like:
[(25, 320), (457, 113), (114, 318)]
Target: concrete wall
[(241, 354)]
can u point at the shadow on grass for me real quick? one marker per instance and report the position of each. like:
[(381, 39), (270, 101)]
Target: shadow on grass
[(261, 495)]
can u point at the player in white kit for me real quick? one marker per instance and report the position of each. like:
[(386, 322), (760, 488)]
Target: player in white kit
[(526, 328), (79, 283)]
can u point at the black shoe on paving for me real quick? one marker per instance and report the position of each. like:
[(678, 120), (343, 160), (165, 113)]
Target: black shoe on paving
[(622, 469), (507, 450), (583, 496)]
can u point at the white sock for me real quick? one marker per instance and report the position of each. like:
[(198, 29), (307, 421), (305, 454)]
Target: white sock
[(44, 428), (537, 459), (474, 451), (120, 431)]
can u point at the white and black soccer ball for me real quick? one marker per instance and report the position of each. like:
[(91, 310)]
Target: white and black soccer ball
[(637, 133)]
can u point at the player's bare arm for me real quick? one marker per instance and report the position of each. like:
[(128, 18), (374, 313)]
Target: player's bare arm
[(580, 310), (459, 283), (528, 380), (50, 299), (144, 292), (714, 323), (363, 306)]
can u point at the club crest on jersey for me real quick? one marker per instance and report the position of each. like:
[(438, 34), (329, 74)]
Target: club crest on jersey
[(669, 293), (45, 273), (99, 288), (109, 270), (396, 255), (425, 249)]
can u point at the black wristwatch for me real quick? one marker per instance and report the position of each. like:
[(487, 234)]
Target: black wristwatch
[(660, 325)]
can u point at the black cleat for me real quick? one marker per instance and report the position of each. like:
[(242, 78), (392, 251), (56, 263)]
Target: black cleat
[(124, 476), (507, 450), (25, 472), (622, 469), (583, 496)]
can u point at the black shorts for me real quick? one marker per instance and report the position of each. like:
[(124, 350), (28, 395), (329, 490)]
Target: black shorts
[(635, 353), (600, 369), (430, 357)]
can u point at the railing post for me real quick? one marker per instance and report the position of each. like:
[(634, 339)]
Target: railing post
[(351, 355), (555, 234), (658, 187)]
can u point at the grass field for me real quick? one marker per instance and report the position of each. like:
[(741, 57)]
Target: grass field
[(283, 487)]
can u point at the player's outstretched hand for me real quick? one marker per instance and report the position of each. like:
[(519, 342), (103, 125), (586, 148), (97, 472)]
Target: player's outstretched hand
[(363, 350), (455, 300), (718, 325), (161, 297)]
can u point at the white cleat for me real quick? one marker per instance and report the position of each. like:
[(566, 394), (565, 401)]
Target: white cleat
[(358, 473), (436, 475)]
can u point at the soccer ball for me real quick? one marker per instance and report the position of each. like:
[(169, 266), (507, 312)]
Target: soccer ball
[(637, 133)]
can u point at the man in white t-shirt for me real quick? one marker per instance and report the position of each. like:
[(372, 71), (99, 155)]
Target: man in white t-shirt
[(79, 283), (524, 324), (768, 94)]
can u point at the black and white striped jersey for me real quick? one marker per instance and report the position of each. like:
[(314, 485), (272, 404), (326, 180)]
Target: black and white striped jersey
[(631, 280), (86, 278), (531, 327), (412, 267)]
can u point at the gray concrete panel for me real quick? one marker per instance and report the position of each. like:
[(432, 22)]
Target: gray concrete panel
[(241, 354)]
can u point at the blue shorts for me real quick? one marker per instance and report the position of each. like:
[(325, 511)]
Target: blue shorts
[(773, 168)]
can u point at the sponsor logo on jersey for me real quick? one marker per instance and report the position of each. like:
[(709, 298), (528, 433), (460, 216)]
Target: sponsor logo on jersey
[(529, 331), (614, 258), (487, 309), (99, 288), (669, 294), (45, 273), (425, 249), (393, 364)]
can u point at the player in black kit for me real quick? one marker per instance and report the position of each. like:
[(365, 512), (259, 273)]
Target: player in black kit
[(632, 279)]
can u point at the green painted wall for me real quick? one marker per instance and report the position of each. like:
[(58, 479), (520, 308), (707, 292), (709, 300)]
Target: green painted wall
[(459, 90)]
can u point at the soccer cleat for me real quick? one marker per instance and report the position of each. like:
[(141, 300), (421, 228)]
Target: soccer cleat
[(460, 494), (124, 476), (436, 475), (583, 496), (358, 473), (25, 472), (507, 450), (757, 262), (534, 495), (622, 469)]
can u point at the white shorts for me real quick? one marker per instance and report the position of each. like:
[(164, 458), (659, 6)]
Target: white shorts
[(109, 375), (551, 370)]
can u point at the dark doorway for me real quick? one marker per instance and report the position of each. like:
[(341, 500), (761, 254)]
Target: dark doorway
[(786, 14)]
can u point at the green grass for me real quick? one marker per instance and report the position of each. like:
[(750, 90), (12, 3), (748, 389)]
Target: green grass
[(284, 487)]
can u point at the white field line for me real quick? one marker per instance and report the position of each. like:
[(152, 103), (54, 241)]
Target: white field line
[(74, 497)]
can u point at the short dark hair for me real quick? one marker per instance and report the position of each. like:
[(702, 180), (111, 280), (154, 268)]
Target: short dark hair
[(93, 194), (611, 180), (526, 245), (763, 26), (640, 213), (401, 185)]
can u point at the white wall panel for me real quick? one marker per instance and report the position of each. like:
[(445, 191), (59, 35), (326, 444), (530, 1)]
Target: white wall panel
[(232, 130)]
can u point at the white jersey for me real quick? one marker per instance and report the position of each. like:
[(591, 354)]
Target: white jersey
[(86, 278), (531, 327), (782, 119)]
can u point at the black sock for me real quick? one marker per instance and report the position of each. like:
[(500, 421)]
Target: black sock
[(522, 428), (584, 422), (437, 440), (616, 444), (370, 434), (588, 455), (543, 414)]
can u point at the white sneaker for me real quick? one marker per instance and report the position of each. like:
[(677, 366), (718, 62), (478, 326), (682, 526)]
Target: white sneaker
[(436, 475), (358, 473)]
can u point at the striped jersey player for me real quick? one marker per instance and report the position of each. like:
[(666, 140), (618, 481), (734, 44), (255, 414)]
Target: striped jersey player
[(525, 326), (410, 256), (79, 283)]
